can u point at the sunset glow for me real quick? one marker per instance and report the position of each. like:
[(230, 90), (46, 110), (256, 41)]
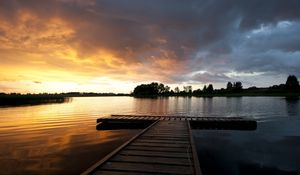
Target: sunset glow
[(106, 46)]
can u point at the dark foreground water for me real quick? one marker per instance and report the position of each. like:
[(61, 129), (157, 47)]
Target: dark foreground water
[(62, 139)]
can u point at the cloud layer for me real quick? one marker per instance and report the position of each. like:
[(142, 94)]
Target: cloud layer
[(172, 41)]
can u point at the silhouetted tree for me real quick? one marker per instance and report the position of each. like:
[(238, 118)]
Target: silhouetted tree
[(187, 89), (161, 88), (292, 83), (204, 89), (171, 92), (197, 92), (229, 86), (278, 87), (167, 89), (149, 89), (237, 86), (177, 90), (210, 89), (252, 88)]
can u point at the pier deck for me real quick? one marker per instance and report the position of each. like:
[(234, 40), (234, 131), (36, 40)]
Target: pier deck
[(165, 147)]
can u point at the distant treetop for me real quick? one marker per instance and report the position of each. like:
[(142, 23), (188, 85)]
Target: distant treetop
[(292, 82), (151, 89), (291, 87)]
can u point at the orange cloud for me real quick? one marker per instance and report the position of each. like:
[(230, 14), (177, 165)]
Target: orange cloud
[(54, 51)]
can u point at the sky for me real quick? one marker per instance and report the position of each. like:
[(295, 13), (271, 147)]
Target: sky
[(112, 46)]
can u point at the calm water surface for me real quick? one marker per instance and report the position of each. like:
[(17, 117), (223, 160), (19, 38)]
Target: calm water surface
[(62, 139)]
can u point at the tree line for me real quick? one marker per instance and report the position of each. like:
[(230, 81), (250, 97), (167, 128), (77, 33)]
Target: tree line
[(232, 88)]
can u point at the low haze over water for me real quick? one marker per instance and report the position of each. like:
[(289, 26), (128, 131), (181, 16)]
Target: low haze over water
[(62, 138)]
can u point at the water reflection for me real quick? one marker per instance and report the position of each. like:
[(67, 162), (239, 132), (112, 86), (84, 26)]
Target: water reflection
[(274, 148), (61, 138), (292, 106), (207, 106), (148, 106), (56, 138)]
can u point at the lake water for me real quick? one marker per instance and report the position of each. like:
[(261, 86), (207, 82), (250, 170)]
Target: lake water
[(62, 138)]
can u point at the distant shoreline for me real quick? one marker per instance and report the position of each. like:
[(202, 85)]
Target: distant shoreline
[(259, 92), (15, 99), (30, 99), (223, 95), (37, 99)]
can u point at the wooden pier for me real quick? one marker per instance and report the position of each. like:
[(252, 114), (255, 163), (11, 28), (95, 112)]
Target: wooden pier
[(164, 147), (141, 121)]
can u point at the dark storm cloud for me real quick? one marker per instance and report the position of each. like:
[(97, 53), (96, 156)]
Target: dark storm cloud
[(208, 35), (209, 77), (204, 77)]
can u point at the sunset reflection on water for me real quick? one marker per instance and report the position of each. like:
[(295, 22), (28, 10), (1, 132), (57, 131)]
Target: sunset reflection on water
[(62, 138), (56, 138)]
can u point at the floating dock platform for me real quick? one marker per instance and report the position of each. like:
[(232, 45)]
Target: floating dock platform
[(164, 146)]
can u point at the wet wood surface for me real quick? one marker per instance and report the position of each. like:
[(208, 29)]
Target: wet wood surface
[(163, 148)]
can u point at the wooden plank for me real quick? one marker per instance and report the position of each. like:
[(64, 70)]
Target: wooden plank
[(170, 136), (109, 172), (164, 135), (111, 124), (119, 117), (153, 160), (166, 149), (154, 117), (172, 123), (169, 133), (166, 116), (166, 128), (145, 168), (161, 141), (179, 131), (169, 130), (164, 138), (162, 145), (154, 153), (169, 126), (97, 164)]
